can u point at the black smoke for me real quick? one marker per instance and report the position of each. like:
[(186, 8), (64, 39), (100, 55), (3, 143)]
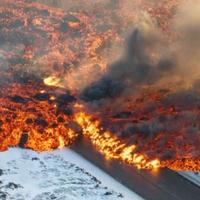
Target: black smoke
[(134, 69)]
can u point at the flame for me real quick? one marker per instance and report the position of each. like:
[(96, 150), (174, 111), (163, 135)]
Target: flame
[(53, 81), (61, 142), (111, 147), (38, 118), (69, 52)]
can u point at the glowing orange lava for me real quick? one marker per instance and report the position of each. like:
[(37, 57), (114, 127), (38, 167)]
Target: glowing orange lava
[(111, 147), (48, 55)]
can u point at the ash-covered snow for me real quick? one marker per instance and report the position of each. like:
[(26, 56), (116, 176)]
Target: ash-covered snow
[(27, 175), (57, 175)]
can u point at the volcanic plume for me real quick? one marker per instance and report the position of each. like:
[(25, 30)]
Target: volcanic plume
[(65, 74)]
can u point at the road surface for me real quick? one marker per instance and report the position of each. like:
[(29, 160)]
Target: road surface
[(161, 184)]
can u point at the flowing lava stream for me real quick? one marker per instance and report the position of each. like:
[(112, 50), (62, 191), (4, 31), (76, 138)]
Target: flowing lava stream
[(111, 147), (114, 148), (39, 104)]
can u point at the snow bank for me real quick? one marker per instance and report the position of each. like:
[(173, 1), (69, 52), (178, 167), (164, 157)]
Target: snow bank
[(107, 180), (193, 177), (58, 175)]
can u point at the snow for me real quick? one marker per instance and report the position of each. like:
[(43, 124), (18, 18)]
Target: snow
[(107, 180), (193, 177), (58, 175)]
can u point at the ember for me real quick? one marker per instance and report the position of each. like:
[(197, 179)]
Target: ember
[(58, 82)]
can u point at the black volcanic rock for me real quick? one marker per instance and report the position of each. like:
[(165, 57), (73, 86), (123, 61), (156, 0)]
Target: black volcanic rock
[(23, 140), (18, 99), (35, 158), (104, 88), (75, 127), (108, 193), (167, 155), (3, 195), (60, 119), (12, 186), (29, 121), (41, 96), (71, 18), (41, 122), (67, 111), (64, 110), (65, 99), (64, 27)]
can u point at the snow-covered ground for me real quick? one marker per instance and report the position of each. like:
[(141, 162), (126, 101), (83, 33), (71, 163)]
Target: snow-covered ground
[(193, 177), (58, 175)]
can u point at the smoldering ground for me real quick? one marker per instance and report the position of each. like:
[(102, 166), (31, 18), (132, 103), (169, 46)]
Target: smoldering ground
[(150, 57), (134, 69), (153, 64)]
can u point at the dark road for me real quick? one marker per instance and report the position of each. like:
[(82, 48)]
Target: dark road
[(161, 184)]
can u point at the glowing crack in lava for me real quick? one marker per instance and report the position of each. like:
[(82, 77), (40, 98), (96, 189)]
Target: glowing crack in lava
[(49, 56)]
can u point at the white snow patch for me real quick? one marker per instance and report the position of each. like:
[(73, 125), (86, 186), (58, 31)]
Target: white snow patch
[(107, 180), (193, 177), (58, 175)]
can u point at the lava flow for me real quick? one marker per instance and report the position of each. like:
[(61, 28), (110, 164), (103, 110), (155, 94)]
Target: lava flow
[(34, 113), (59, 82), (110, 146)]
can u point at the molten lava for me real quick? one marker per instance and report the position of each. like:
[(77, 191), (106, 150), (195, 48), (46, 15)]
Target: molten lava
[(47, 55), (34, 113), (111, 147)]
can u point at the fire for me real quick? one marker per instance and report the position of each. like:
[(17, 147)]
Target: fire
[(61, 142), (48, 54), (53, 81), (28, 111), (111, 147)]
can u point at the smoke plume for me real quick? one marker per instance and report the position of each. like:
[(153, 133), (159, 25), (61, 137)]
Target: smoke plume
[(153, 57)]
